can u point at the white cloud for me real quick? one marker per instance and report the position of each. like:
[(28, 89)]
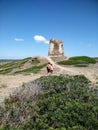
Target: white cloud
[(19, 39), (39, 38)]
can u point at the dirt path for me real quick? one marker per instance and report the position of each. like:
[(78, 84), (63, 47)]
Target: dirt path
[(90, 72), (68, 70)]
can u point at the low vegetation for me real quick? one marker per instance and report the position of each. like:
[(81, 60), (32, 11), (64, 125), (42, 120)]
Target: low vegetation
[(15, 64), (79, 61), (34, 69), (18, 64), (5, 61), (52, 103), (6, 71)]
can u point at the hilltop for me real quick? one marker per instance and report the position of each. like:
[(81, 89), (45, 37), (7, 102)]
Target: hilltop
[(37, 65), (62, 65)]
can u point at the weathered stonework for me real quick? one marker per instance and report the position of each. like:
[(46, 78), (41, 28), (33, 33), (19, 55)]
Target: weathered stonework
[(56, 48)]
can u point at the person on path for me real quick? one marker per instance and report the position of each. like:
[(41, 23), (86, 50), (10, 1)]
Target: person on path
[(48, 67), (51, 68)]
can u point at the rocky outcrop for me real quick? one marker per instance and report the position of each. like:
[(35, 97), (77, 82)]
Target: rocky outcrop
[(56, 48)]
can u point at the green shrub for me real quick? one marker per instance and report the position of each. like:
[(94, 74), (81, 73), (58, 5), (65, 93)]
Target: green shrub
[(78, 60), (6, 71), (61, 103), (33, 69)]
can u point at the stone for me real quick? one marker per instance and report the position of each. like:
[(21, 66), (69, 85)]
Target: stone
[(55, 48)]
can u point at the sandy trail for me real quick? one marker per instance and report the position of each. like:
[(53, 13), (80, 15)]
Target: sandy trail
[(90, 72)]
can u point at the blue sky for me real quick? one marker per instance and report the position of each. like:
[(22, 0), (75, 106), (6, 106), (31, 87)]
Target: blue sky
[(26, 26)]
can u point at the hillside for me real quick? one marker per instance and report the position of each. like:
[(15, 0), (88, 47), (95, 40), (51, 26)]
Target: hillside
[(26, 65), (73, 65), (32, 97), (16, 73), (4, 61)]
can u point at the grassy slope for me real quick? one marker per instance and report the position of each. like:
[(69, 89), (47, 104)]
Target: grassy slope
[(34, 69), (7, 68), (79, 60)]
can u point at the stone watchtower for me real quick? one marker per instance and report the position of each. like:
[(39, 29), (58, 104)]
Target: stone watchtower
[(56, 48)]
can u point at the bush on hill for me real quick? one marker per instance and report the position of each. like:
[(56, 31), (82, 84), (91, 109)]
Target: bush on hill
[(78, 60), (34, 69), (52, 103)]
